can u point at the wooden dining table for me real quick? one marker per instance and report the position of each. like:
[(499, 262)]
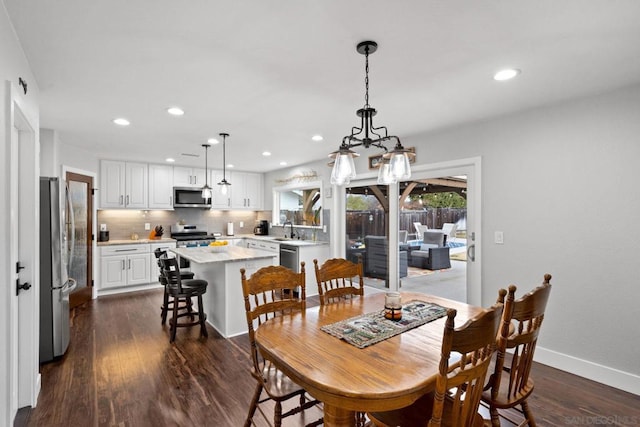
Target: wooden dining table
[(387, 375)]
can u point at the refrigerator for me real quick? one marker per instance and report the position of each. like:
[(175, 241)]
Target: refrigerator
[(56, 251)]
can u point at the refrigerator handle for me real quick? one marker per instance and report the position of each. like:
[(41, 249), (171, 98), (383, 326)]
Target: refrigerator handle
[(72, 228)]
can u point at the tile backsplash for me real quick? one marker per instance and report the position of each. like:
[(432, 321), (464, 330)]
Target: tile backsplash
[(123, 223)]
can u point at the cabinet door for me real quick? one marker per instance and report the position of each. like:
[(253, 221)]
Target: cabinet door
[(199, 177), (136, 186), (219, 200), (253, 190), (112, 188), (182, 177), (238, 196), (112, 271), (160, 187), (138, 269)]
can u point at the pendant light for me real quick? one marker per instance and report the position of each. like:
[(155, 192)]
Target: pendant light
[(397, 161), (206, 190), (224, 185)]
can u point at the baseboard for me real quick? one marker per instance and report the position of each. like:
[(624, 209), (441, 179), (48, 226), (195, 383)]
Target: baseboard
[(592, 371)]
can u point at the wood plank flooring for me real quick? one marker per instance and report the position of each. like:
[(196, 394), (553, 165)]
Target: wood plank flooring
[(120, 370)]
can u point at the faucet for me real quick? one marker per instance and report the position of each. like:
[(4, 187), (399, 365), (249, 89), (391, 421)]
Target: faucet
[(292, 235)]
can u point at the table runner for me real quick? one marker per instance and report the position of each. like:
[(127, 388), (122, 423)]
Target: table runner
[(370, 328)]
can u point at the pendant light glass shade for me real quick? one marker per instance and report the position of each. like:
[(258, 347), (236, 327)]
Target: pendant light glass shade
[(344, 169), (224, 184), (385, 177), (206, 192), (399, 166)]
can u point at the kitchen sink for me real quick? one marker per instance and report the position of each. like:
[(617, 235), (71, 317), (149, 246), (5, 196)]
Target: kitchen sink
[(281, 239)]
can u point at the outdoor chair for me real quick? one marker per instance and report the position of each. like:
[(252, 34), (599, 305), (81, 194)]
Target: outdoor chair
[(266, 295), (459, 385), (432, 254), (449, 229), (510, 385), (420, 229)]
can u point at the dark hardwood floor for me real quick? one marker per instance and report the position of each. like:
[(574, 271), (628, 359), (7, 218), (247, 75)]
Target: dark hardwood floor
[(121, 370)]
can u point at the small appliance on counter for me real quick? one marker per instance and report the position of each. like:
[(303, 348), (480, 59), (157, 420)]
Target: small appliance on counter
[(229, 229), (103, 235), (261, 228)]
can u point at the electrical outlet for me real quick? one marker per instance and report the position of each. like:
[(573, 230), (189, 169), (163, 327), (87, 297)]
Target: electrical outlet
[(499, 237), (103, 227), (147, 226), (241, 224)]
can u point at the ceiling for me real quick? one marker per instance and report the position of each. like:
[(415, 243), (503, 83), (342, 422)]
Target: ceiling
[(274, 73)]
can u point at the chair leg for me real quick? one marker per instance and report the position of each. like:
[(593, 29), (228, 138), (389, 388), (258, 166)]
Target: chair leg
[(495, 417), (165, 307), (174, 320), (253, 406), (277, 417), (202, 317), (528, 414)]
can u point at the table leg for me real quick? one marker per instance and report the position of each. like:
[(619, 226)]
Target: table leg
[(338, 417)]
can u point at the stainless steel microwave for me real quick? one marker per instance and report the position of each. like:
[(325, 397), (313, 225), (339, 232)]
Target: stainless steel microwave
[(190, 197)]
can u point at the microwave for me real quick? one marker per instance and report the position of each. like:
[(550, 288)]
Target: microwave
[(190, 197)]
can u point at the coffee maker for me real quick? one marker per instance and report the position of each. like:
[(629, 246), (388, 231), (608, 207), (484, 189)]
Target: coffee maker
[(261, 228)]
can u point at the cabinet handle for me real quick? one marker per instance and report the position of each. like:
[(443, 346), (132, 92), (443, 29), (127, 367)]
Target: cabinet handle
[(127, 204), (121, 199), (248, 202), (170, 200), (229, 201), (128, 264), (125, 250), (123, 264)]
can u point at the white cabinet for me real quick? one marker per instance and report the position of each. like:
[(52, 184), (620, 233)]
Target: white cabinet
[(123, 185), (160, 187), (153, 266), (124, 265), (189, 177), (247, 190)]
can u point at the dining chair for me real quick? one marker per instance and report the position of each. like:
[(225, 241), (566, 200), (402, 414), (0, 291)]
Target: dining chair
[(460, 380), (267, 295), (178, 291), (335, 280), (510, 384)]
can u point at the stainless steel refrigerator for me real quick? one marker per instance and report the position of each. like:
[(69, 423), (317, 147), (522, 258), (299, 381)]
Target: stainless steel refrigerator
[(56, 251)]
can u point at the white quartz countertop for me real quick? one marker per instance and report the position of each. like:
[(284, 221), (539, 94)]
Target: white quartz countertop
[(207, 254), (136, 241), (275, 239)]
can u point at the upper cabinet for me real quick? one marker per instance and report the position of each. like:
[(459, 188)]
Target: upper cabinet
[(160, 187), (247, 190), (188, 177), (123, 185)]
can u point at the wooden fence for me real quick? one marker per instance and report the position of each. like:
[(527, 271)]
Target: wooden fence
[(373, 222)]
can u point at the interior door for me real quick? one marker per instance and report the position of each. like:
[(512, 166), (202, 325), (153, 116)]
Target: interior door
[(79, 235)]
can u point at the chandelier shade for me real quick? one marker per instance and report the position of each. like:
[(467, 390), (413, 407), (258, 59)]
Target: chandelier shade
[(397, 161)]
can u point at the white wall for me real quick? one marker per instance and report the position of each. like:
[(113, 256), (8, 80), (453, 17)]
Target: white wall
[(560, 182), (13, 65)]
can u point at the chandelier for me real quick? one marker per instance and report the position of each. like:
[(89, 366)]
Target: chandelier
[(394, 165), (206, 190), (224, 185)]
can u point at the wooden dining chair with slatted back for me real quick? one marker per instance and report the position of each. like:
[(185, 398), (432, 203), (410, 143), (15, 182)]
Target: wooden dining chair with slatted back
[(510, 385), (338, 279), (466, 354), (267, 295)]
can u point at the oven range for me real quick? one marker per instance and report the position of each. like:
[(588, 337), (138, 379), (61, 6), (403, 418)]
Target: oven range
[(188, 236)]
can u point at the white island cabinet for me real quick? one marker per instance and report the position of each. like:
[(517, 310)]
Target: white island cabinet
[(220, 267)]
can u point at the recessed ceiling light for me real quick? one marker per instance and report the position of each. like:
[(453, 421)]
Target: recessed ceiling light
[(283, 163), (121, 121), (317, 137), (506, 74), (213, 141), (229, 165), (170, 160), (266, 153), (175, 111)]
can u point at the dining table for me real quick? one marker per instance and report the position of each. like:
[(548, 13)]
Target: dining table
[(387, 375)]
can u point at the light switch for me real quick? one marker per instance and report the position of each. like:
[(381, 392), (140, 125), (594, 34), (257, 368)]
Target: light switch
[(241, 224), (499, 238), (147, 226)]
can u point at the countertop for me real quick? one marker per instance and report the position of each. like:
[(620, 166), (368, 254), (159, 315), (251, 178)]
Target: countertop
[(276, 239), (207, 254), (136, 242)]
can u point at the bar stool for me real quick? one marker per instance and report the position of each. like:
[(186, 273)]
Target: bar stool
[(178, 290), (166, 304)]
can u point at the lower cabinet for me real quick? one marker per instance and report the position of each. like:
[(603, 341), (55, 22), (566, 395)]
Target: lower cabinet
[(124, 265)]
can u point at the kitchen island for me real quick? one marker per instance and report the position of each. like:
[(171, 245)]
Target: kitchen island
[(220, 266)]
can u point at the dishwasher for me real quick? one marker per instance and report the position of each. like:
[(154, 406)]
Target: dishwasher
[(289, 259)]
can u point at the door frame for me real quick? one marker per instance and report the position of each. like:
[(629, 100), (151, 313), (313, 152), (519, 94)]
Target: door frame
[(22, 166), (472, 168), (94, 220)]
